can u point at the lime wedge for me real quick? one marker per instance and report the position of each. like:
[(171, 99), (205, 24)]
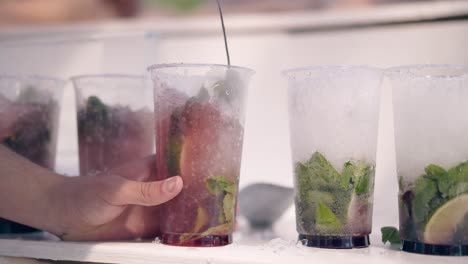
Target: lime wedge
[(444, 222)]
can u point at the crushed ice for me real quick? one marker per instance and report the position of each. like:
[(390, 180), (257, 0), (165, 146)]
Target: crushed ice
[(279, 245)]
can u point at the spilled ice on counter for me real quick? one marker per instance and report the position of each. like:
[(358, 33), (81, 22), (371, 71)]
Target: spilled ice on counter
[(430, 124), (335, 113), (282, 246)]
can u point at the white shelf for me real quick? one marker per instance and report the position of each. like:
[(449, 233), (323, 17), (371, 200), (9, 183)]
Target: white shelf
[(149, 252)]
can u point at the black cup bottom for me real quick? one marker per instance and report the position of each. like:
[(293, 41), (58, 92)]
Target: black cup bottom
[(339, 242), (431, 249), (9, 227), (206, 241)]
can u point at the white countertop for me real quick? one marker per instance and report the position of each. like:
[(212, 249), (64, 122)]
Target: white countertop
[(275, 251)]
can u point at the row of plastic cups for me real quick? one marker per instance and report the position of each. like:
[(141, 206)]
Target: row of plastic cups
[(333, 120), (199, 118)]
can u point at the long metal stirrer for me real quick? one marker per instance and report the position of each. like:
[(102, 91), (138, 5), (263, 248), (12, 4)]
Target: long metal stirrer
[(224, 32)]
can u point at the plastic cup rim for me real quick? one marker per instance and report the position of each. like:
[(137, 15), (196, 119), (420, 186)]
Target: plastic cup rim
[(339, 68), (408, 71), (33, 77), (196, 65), (106, 75)]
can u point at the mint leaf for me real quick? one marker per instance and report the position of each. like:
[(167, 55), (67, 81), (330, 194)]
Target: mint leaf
[(95, 105), (347, 174), (363, 184), (457, 180), (322, 168), (224, 189), (326, 221), (315, 174), (218, 184), (93, 118), (28, 94), (175, 143), (315, 197), (174, 149), (390, 234), (359, 173), (435, 172), (228, 207), (424, 191)]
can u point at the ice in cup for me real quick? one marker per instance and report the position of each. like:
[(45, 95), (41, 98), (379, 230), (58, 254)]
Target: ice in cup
[(432, 157), (115, 121), (333, 114), (199, 112), (29, 122)]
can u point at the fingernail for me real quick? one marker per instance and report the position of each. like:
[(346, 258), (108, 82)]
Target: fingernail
[(170, 185)]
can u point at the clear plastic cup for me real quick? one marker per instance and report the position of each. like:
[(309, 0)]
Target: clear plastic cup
[(199, 111), (29, 115), (115, 121), (432, 157), (333, 112), (29, 122)]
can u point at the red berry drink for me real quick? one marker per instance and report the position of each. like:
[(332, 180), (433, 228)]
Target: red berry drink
[(29, 116), (114, 121), (199, 112)]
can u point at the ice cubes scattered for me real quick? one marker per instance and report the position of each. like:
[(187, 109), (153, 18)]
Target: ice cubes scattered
[(279, 245)]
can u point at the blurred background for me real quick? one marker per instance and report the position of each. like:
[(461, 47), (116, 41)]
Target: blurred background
[(71, 37), (69, 11)]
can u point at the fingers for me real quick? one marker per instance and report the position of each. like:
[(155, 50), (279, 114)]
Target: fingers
[(125, 192), (138, 170)]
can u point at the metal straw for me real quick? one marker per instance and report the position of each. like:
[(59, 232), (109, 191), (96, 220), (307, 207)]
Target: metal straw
[(224, 32)]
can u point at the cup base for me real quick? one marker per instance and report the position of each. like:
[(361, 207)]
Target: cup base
[(431, 249), (338, 242), (206, 241), (9, 227)]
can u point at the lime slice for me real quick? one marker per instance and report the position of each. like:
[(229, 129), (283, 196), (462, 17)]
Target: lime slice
[(441, 227)]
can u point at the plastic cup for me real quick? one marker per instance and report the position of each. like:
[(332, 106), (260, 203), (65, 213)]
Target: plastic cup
[(29, 122), (29, 115), (115, 121), (431, 153), (199, 113), (333, 114)]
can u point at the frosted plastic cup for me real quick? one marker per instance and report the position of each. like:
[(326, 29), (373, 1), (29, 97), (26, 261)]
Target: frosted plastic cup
[(199, 112), (29, 122), (29, 116), (115, 121), (430, 109), (333, 112)]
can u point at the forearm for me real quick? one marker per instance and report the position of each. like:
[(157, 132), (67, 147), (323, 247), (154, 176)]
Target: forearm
[(26, 192)]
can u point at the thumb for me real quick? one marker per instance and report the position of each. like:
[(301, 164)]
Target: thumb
[(144, 193)]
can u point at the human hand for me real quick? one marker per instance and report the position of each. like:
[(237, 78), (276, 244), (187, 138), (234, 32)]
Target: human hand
[(117, 205)]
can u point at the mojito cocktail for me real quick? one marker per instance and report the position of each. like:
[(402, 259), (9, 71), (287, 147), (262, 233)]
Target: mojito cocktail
[(199, 111), (29, 122), (115, 121), (432, 157), (333, 115)]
